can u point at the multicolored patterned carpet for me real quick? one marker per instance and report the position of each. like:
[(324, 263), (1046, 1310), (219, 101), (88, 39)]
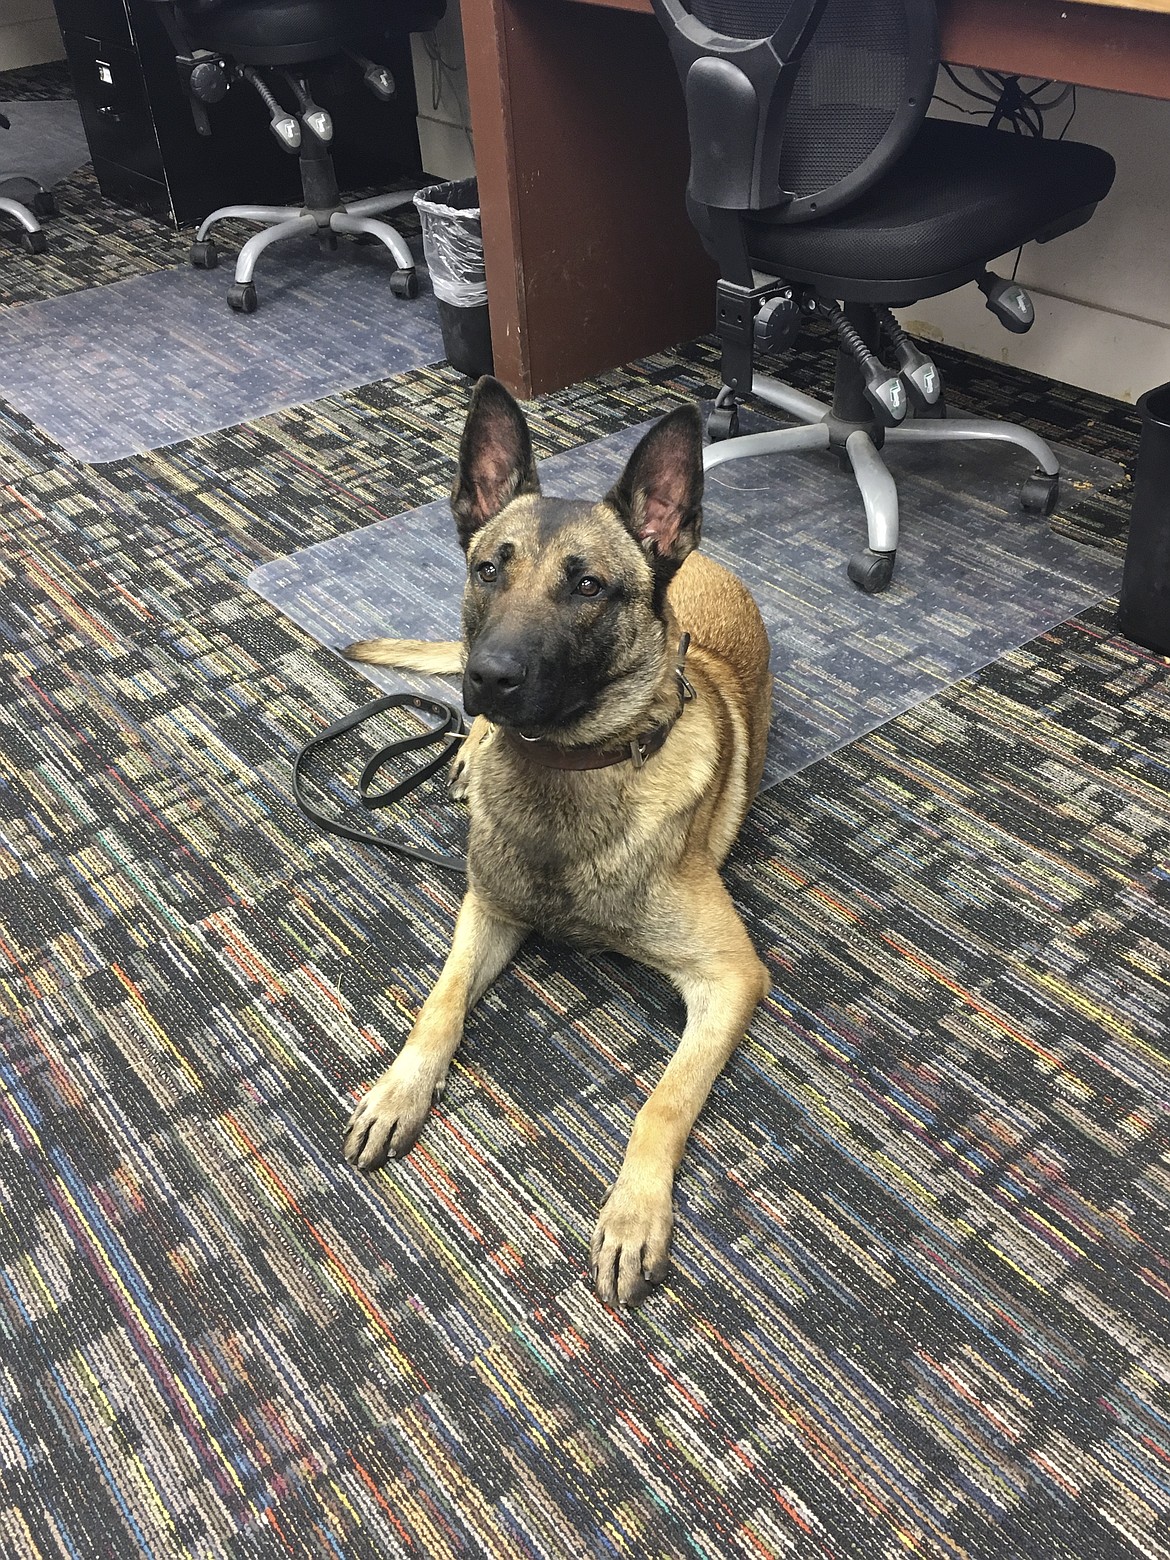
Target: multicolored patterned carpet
[(920, 1305)]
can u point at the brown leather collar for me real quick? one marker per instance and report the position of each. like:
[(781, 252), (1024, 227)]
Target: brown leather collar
[(549, 756)]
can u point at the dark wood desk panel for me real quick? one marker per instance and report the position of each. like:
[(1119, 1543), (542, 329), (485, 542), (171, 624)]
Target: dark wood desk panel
[(582, 156), (580, 142), (1117, 47)]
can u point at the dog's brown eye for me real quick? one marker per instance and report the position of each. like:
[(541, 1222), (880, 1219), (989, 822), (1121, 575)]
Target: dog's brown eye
[(486, 572), (588, 586)]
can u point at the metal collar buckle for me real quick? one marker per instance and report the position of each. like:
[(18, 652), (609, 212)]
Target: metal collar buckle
[(686, 690)]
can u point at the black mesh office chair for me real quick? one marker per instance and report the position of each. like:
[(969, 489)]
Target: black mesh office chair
[(37, 202), (820, 187), (266, 44)]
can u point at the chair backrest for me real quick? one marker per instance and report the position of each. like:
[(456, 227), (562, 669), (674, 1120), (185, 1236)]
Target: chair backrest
[(857, 91)]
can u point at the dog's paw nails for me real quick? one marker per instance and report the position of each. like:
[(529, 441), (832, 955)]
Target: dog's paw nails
[(388, 1120), (630, 1250), (456, 779)]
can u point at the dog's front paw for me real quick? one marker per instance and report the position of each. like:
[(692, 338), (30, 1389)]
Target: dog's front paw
[(389, 1118), (457, 774), (630, 1250)]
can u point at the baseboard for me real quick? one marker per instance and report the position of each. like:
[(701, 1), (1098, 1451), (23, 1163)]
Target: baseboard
[(1113, 354)]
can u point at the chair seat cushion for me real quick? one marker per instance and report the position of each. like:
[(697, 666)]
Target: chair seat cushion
[(276, 32), (959, 196)]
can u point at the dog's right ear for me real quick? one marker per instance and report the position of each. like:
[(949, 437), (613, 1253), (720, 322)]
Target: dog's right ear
[(495, 459)]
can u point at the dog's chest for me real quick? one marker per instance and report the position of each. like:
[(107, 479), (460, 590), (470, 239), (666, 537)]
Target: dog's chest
[(573, 860)]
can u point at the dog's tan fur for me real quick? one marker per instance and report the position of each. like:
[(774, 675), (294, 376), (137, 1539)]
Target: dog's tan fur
[(439, 657), (618, 857)]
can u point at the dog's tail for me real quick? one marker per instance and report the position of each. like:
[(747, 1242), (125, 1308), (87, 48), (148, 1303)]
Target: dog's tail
[(440, 657)]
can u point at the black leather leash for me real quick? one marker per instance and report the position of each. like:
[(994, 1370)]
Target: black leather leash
[(449, 732)]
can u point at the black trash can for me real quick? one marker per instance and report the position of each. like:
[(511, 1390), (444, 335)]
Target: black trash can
[(453, 249), (1144, 612)]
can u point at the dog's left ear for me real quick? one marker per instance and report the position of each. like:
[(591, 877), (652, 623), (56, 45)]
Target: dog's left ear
[(660, 493)]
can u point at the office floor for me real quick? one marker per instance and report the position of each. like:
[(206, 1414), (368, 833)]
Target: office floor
[(920, 1301)]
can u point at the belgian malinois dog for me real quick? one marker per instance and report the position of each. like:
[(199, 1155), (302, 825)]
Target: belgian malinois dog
[(605, 779)]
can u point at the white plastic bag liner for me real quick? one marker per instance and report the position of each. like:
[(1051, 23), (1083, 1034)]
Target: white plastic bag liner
[(453, 242)]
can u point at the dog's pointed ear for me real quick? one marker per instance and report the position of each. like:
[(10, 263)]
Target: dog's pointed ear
[(495, 459), (660, 493)]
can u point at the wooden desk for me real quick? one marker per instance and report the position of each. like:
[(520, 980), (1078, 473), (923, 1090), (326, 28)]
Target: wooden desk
[(1119, 45), (581, 151)]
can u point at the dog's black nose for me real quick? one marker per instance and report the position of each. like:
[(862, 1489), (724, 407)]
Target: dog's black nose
[(494, 676)]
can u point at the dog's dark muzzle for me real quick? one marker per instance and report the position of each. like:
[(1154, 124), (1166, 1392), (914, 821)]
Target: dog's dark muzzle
[(520, 685), (495, 683)]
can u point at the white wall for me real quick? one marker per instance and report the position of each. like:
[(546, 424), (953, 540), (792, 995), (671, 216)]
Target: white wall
[(28, 33), (444, 127), (1102, 293)]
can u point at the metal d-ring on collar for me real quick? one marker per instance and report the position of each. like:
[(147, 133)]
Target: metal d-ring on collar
[(640, 749)]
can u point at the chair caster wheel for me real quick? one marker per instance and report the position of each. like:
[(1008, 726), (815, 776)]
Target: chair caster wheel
[(1039, 493), (242, 297), (872, 571), (404, 284), (204, 254), (44, 204), (722, 423), (33, 243)]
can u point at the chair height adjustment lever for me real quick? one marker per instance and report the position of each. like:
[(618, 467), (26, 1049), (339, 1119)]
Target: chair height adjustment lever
[(1008, 302), (884, 391), (376, 77), (316, 119), (919, 374), (284, 125)]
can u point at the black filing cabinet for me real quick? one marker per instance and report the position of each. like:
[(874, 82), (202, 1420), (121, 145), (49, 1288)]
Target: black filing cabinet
[(145, 148)]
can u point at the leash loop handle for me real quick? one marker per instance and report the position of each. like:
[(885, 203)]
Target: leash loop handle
[(449, 733)]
